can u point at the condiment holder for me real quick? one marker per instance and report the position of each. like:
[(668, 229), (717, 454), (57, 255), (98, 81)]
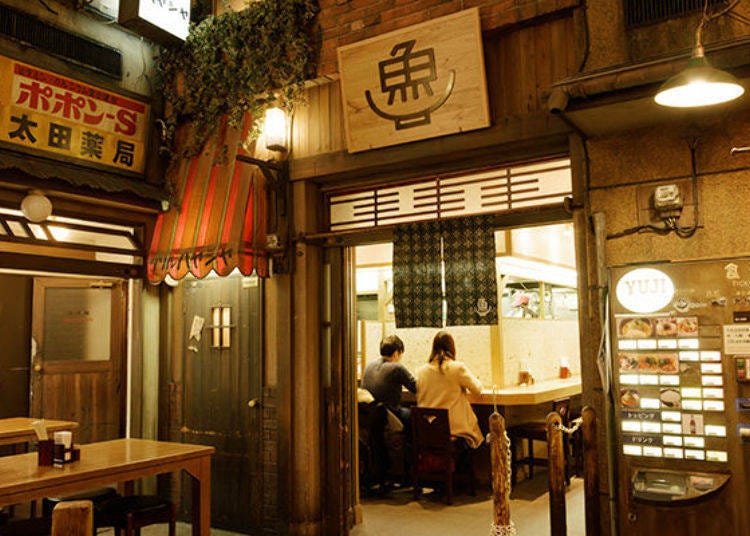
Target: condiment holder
[(57, 451), (45, 449), (64, 451)]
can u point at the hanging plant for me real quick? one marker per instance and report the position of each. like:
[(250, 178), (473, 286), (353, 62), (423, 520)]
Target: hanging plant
[(236, 63)]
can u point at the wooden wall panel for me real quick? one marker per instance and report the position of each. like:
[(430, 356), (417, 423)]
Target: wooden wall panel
[(15, 332)]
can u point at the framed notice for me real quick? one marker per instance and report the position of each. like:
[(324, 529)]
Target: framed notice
[(737, 339), (419, 82)]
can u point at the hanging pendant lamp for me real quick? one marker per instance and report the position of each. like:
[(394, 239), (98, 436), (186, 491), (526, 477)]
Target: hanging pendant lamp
[(700, 84)]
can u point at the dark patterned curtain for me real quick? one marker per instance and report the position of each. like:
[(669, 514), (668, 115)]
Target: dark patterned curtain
[(470, 275), (417, 293)]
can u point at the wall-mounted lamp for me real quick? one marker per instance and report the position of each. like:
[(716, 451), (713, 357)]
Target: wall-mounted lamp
[(699, 84), (36, 206), (275, 130)]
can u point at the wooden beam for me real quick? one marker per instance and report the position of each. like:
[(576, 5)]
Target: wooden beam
[(38, 263), (515, 218), (517, 139)]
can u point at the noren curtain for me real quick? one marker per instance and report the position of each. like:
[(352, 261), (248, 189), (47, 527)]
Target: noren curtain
[(470, 273), (417, 292), (468, 246)]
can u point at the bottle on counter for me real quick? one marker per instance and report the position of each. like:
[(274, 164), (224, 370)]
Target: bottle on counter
[(564, 368)]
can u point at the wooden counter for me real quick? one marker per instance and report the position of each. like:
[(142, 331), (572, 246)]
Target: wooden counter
[(527, 395)]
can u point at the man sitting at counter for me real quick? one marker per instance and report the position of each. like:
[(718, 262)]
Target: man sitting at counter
[(384, 378)]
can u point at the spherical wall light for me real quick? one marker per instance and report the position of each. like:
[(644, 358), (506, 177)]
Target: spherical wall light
[(36, 207)]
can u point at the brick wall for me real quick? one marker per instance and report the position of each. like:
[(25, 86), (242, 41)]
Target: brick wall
[(347, 21)]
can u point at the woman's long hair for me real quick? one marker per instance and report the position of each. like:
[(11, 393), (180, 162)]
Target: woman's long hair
[(443, 347)]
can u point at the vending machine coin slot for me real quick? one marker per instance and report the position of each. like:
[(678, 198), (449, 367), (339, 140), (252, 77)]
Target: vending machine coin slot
[(676, 487)]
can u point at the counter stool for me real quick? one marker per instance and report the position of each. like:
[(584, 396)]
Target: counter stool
[(133, 512), (96, 496), (536, 431)]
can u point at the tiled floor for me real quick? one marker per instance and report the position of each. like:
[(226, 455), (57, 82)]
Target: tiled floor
[(399, 514)]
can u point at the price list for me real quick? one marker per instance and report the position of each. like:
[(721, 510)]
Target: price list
[(671, 390)]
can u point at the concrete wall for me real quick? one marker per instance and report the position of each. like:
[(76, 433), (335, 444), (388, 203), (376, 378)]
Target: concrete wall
[(137, 52)]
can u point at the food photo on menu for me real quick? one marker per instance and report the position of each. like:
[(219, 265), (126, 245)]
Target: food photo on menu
[(666, 327), (687, 326), (635, 328), (670, 398), (652, 362), (630, 398)]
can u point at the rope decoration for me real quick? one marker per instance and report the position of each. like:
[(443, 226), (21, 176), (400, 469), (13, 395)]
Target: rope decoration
[(576, 424), (503, 530)]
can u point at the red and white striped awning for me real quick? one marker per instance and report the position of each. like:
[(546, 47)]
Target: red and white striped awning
[(218, 221)]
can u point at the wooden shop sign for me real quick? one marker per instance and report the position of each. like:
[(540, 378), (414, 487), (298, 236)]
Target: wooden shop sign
[(416, 83)]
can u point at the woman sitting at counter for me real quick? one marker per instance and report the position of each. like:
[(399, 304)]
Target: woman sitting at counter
[(443, 383)]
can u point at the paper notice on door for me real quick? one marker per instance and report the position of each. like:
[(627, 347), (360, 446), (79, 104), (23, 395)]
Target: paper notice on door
[(197, 328)]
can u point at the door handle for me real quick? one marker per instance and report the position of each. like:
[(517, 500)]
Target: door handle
[(254, 403), (37, 368)]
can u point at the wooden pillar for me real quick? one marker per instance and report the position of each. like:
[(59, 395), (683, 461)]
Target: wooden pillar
[(73, 518), (306, 378), (590, 472), (556, 460)]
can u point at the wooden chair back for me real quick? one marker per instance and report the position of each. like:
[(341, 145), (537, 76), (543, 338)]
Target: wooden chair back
[(435, 452)]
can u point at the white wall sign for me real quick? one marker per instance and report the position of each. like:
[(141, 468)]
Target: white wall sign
[(645, 290), (159, 20), (108, 8)]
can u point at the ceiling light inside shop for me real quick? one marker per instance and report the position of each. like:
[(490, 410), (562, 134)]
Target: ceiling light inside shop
[(529, 270)]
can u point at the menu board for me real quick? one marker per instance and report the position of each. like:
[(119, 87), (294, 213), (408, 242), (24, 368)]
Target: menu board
[(670, 388)]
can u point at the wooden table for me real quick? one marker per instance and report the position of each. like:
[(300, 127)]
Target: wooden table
[(119, 460), (18, 429)]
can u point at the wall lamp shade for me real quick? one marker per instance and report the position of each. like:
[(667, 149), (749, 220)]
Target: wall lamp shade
[(698, 85), (36, 206), (275, 129)]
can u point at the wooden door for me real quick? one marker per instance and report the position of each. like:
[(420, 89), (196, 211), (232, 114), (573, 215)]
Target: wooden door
[(78, 355), (221, 403)]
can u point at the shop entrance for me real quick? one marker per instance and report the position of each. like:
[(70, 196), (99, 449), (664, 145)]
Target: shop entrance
[(536, 334), (216, 379), (78, 354)]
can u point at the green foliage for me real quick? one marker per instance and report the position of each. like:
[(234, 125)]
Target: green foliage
[(236, 63)]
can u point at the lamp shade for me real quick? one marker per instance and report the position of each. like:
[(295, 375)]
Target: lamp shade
[(36, 206), (698, 85), (275, 129)]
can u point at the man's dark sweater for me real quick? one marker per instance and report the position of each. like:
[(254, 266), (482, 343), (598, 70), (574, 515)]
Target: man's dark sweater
[(384, 380)]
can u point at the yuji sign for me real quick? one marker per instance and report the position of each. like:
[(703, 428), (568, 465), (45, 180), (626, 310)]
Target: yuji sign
[(420, 82), (48, 112)]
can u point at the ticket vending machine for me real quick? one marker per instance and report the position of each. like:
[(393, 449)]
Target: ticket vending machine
[(681, 362)]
